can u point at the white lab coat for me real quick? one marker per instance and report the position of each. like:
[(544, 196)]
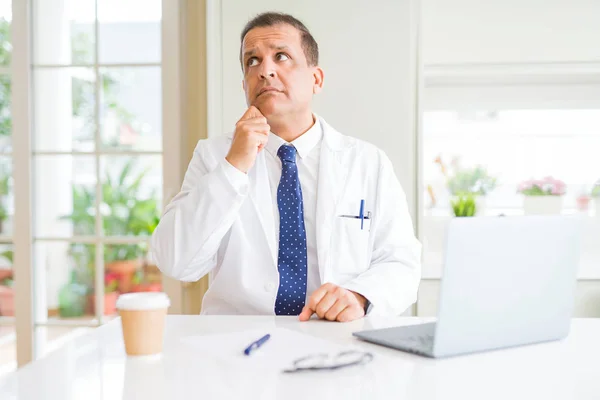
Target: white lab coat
[(210, 227)]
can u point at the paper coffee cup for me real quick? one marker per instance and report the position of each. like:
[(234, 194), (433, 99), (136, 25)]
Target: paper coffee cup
[(143, 321)]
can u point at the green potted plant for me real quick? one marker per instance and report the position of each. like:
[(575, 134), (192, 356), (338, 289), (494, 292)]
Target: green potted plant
[(7, 292), (130, 215), (464, 205), (468, 185), (542, 196), (125, 213)]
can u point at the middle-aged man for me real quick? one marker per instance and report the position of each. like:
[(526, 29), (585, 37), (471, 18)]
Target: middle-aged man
[(289, 215)]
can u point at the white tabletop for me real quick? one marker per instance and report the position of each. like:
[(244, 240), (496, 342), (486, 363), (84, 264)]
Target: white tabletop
[(95, 367)]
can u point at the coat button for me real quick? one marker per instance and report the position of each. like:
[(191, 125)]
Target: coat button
[(269, 287)]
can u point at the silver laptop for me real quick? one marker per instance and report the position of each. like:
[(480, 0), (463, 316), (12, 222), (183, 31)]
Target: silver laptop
[(507, 281)]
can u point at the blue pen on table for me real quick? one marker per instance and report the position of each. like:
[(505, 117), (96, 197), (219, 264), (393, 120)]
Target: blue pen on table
[(255, 345), (362, 214)]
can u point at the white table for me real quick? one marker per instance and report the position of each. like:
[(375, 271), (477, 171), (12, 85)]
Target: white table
[(95, 367)]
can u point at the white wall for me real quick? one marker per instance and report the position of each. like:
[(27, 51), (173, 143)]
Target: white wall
[(520, 54), (510, 31), (369, 87)]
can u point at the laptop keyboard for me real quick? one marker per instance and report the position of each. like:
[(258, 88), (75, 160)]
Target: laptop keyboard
[(416, 339), (419, 344), (425, 340)]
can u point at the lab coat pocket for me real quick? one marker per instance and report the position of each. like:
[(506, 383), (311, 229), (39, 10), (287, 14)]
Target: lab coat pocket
[(351, 245)]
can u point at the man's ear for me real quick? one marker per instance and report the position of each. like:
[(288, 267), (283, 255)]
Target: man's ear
[(318, 76), (243, 85)]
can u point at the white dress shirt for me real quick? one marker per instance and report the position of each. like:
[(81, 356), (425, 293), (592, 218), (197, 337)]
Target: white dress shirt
[(308, 147)]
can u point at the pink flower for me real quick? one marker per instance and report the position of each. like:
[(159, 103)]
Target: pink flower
[(559, 189), (548, 185)]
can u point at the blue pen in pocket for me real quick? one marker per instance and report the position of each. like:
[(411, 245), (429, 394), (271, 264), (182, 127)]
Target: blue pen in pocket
[(362, 214)]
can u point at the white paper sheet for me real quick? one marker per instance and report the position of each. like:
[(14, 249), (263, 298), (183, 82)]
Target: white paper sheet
[(279, 352)]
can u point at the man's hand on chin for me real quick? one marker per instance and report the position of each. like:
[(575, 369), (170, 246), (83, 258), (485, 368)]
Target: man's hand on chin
[(334, 303)]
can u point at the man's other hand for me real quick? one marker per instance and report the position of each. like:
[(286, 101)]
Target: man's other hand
[(334, 303)]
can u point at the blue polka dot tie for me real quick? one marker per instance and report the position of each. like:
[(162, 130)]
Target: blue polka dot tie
[(292, 237)]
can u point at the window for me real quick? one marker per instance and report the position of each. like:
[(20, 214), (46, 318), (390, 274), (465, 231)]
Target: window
[(97, 153), (96, 161), (490, 149)]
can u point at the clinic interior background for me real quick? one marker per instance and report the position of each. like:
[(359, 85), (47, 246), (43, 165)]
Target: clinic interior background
[(504, 97)]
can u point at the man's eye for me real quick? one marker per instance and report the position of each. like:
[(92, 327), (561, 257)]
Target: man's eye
[(282, 57), (252, 61)]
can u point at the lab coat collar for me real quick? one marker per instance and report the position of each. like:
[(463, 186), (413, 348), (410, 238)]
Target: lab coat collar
[(334, 140)]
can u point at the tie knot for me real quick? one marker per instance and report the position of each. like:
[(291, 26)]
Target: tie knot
[(287, 153)]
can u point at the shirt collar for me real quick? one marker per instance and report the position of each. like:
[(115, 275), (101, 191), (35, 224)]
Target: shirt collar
[(303, 144)]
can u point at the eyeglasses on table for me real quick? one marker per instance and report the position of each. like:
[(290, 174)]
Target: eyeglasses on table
[(319, 362)]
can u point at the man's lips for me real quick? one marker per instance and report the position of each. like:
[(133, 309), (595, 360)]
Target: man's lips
[(268, 90)]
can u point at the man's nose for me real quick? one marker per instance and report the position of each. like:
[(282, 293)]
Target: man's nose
[(267, 74), (267, 70)]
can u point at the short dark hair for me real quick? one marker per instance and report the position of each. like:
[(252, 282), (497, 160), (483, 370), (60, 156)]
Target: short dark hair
[(309, 44)]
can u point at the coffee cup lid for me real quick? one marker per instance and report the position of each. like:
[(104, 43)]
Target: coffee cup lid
[(143, 301)]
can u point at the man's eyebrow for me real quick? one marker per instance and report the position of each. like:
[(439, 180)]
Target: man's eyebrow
[(280, 47), (251, 52)]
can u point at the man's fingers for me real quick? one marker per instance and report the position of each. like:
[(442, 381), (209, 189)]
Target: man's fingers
[(255, 127), (251, 112), (316, 297), (250, 137), (261, 139), (333, 303), (305, 314), (350, 314), (325, 304), (339, 306), (255, 120)]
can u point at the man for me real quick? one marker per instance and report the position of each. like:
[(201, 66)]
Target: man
[(291, 217)]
